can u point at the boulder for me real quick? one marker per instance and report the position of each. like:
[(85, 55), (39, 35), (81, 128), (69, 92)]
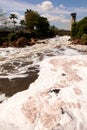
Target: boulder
[(79, 41), (21, 42), (76, 41)]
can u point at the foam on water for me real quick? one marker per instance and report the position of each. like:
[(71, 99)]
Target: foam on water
[(17, 64), (55, 101), (57, 95), (14, 62), (2, 97)]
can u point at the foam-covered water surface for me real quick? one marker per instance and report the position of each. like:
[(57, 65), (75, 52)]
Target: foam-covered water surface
[(54, 74), (20, 66), (57, 100)]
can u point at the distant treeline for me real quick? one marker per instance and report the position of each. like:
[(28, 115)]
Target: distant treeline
[(62, 32), (26, 34)]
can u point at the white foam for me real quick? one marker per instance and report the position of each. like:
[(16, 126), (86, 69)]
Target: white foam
[(18, 111), (32, 55), (2, 97), (74, 115)]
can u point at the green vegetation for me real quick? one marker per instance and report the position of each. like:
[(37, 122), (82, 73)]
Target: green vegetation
[(84, 39), (22, 22), (13, 17), (31, 19), (11, 37), (33, 27), (36, 24), (79, 28)]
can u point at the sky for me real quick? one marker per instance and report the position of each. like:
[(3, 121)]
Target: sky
[(56, 11)]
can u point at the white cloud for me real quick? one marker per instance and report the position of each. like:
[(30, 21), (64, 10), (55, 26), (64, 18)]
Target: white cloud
[(15, 5), (81, 10), (78, 10), (58, 10), (58, 18), (46, 5), (61, 6)]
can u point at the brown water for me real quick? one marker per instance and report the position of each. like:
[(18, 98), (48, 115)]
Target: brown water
[(12, 86)]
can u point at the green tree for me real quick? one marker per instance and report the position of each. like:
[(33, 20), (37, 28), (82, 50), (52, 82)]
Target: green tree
[(43, 26), (13, 17), (22, 22), (36, 23), (79, 28), (74, 29), (31, 19)]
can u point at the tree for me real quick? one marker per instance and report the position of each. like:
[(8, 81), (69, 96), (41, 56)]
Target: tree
[(43, 26), (74, 29), (22, 22), (79, 28), (36, 23), (31, 19), (13, 17)]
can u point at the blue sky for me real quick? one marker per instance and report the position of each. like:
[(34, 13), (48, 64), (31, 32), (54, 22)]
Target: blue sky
[(57, 11)]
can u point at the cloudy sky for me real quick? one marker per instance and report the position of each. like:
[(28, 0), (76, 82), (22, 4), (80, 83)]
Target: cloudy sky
[(57, 11)]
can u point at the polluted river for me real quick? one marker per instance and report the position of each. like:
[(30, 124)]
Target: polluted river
[(21, 70)]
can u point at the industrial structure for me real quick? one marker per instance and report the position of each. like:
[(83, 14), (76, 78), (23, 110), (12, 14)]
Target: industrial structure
[(73, 18)]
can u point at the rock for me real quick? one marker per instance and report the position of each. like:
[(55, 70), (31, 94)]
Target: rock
[(5, 44), (32, 41), (21, 42), (79, 41), (76, 41), (57, 100)]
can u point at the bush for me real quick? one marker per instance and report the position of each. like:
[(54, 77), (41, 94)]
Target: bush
[(11, 37), (84, 38)]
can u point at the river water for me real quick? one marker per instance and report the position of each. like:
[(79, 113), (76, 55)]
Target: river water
[(19, 67)]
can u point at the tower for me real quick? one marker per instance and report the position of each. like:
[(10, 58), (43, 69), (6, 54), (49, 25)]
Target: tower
[(73, 19)]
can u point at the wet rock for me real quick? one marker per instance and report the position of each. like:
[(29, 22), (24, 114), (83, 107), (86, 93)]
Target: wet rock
[(76, 41), (21, 42), (5, 44), (32, 41), (79, 41)]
